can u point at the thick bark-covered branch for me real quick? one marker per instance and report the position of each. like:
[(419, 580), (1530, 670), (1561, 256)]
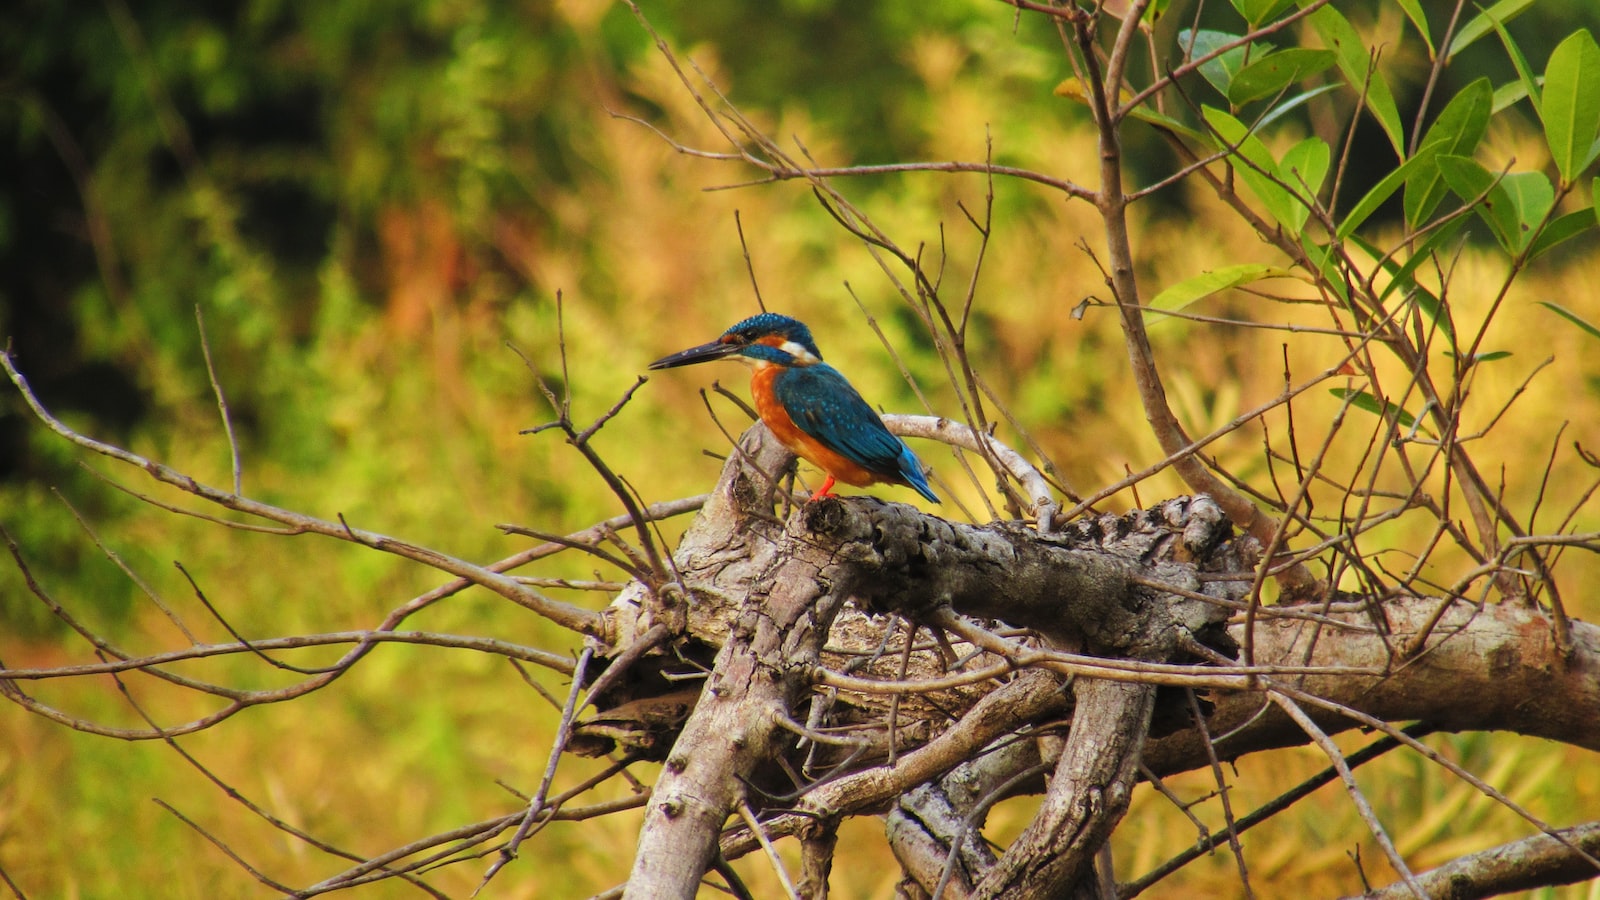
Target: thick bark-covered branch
[(762, 604), (1490, 668), (1091, 789)]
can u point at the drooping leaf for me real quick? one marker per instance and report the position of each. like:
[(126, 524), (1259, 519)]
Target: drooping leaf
[(1530, 84), (1364, 400), (1356, 62), (1419, 21), (1483, 23), (1177, 296), (1456, 132), (1571, 107), (1572, 317), (1268, 75)]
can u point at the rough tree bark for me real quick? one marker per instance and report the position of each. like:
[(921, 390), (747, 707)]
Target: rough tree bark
[(785, 581), (865, 658)]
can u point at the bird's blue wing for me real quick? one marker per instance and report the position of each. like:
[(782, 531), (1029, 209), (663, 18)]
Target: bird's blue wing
[(824, 405)]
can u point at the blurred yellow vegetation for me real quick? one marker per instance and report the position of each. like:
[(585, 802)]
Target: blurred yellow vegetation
[(422, 404)]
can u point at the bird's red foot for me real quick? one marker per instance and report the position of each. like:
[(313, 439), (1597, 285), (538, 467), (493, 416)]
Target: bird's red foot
[(827, 486)]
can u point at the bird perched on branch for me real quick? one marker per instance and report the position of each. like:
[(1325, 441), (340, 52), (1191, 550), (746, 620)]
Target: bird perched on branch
[(809, 406)]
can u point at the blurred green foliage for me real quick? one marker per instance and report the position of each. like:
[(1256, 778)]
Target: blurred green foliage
[(368, 200)]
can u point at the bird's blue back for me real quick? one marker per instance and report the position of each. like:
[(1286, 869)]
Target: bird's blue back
[(824, 405)]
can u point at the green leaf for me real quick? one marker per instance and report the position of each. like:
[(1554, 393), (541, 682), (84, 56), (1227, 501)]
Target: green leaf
[(1355, 61), (1268, 75), (1471, 182), (1413, 11), (1379, 193), (1072, 89), (1304, 168), (1403, 277), (1531, 197), (1506, 95), (1490, 356), (1364, 400), (1326, 264), (1219, 71), (1571, 107), (1518, 61), (1257, 11), (1177, 296), (1456, 132), (1483, 23), (1563, 229), (1287, 106), (1400, 276), (1571, 316), (1256, 167), (1155, 11)]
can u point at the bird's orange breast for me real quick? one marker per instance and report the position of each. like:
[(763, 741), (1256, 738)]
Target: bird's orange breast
[(808, 448)]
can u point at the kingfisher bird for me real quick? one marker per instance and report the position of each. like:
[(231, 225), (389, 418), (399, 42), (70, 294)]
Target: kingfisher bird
[(809, 406)]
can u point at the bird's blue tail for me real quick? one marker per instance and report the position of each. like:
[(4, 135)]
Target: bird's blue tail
[(911, 471)]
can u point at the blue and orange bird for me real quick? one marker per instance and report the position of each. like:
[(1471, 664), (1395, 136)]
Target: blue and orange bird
[(809, 406)]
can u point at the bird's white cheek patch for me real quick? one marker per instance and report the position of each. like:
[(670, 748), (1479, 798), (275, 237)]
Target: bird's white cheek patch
[(801, 355)]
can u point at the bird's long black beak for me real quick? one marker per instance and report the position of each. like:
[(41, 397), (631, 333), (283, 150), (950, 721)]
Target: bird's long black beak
[(700, 354)]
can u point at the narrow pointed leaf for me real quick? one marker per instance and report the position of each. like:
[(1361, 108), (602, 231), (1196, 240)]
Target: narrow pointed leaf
[(1563, 229), (1401, 276), (1571, 316), (1268, 75), (1571, 107), (1419, 20), (1379, 193), (1290, 104), (1518, 61), (1355, 61), (1483, 23), (1364, 400), (1404, 277)]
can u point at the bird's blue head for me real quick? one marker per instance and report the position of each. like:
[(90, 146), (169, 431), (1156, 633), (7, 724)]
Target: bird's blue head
[(765, 338)]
